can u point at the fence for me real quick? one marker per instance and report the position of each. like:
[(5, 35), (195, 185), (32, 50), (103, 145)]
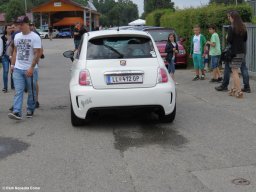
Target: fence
[(253, 4), (251, 47)]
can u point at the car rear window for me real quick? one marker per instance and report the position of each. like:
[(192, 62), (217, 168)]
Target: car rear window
[(120, 47), (161, 35)]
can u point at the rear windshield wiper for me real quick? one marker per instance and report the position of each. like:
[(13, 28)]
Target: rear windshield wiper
[(113, 49)]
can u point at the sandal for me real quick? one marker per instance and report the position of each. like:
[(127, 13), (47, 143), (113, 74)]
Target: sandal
[(239, 94), (232, 92)]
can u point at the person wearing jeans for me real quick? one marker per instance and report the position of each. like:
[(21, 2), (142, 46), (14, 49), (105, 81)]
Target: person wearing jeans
[(245, 75), (21, 80), (5, 64), (26, 54)]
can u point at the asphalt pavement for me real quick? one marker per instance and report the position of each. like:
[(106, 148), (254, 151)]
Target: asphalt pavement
[(210, 147)]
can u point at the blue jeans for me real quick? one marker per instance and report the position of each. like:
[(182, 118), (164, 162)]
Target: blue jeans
[(20, 82), (244, 71), (171, 66), (6, 64)]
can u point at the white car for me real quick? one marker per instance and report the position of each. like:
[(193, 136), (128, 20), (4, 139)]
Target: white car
[(45, 33), (115, 69)]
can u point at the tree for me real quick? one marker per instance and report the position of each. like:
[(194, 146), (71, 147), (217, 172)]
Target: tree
[(116, 13), (226, 2), (150, 5), (15, 8)]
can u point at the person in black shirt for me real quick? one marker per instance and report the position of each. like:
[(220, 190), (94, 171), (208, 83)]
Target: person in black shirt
[(50, 33), (237, 37), (77, 35)]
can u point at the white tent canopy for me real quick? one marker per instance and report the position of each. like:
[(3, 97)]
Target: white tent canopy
[(138, 22)]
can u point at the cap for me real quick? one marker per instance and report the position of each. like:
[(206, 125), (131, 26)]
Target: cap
[(22, 19)]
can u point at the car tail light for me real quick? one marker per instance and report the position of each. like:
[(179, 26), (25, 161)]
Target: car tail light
[(162, 75), (84, 78)]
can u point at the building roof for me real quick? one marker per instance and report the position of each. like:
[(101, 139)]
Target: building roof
[(63, 5), (69, 21)]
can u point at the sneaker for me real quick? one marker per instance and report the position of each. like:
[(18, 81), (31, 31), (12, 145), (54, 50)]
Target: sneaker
[(4, 90), (37, 104), (195, 78), (219, 79), (246, 90), (29, 114), (221, 88), (15, 116), (202, 77)]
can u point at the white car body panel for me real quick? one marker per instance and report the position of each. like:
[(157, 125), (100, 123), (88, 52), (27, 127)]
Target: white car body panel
[(150, 93)]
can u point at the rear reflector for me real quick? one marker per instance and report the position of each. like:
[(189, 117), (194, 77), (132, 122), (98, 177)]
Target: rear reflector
[(84, 78), (162, 76)]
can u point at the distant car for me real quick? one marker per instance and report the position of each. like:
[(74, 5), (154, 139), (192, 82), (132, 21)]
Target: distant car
[(119, 69), (45, 33), (160, 35), (65, 33)]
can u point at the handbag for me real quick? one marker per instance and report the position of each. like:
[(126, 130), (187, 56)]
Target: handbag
[(226, 55)]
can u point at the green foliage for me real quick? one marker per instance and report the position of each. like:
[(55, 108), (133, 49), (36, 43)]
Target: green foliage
[(14, 9), (151, 5), (254, 20), (184, 20), (153, 18), (226, 2), (113, 13)]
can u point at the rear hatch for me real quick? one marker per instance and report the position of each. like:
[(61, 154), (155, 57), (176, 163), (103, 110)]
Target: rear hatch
[(122, 62)]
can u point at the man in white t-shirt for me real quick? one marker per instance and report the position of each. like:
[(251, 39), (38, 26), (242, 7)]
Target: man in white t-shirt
[(27, 49)]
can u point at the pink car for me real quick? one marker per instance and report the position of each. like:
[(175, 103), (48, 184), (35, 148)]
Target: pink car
[(160, 35)]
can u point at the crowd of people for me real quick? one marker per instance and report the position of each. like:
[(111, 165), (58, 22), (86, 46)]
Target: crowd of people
[(205, 52), (21, 50)]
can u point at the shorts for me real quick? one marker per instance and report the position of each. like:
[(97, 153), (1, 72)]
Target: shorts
[(215, 61), (237, 61), (171, 66), (77, 42), (206, 61), (198, 61)]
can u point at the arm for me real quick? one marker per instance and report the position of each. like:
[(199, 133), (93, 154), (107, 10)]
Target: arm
[(230, 35), (13, 58), (168, 48), (1, 47)]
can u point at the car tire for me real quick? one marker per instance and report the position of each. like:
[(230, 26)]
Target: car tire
[(76, 121), (168, 118), (46, 37)]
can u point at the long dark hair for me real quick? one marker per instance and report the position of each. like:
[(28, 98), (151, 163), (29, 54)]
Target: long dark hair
[(238, 25), (174, 36)]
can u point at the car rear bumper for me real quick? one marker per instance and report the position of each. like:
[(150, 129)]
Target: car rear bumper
[(86, 99)]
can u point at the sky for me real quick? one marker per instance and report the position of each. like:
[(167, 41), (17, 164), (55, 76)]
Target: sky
[(180, 3)]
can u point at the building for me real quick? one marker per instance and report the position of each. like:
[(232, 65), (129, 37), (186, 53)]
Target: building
[(66, 13)]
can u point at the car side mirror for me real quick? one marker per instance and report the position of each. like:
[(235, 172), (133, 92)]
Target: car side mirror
[(69, 54)]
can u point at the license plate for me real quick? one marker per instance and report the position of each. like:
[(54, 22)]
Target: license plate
[(124, 79)]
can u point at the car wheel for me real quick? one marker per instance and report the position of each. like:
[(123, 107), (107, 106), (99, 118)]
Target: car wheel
[(168, 118), (76, 121), (46, 37)]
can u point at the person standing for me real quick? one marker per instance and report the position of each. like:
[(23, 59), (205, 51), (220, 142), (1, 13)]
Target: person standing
[(196, 52), (237, 37), (6, 54), (50, 33), (26, 54), (171, 49), (32, 28), (77, 36), (215, 52)]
